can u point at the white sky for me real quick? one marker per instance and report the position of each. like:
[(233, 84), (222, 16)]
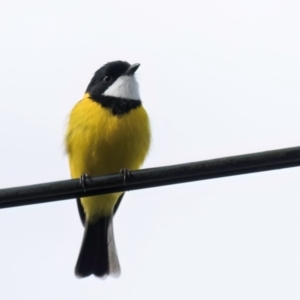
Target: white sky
[(217, 78)]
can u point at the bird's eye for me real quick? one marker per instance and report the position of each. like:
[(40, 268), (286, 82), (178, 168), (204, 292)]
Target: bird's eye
[(107, 78)]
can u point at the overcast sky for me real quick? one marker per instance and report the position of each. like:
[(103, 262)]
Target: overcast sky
[(218, 78)]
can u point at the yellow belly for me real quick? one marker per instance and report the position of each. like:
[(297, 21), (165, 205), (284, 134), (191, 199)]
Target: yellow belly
[(99, 143)]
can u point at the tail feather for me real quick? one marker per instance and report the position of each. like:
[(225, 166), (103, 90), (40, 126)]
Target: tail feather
[(113, 261), (98, 253)]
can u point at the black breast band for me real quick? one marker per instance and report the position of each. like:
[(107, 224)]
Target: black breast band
[(118, 106)]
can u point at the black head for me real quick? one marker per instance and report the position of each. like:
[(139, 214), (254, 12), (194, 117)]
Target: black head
[(108, 74), (114, 87)]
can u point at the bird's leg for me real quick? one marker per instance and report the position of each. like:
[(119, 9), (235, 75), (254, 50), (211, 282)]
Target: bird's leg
[(126, 174), (83, 179)]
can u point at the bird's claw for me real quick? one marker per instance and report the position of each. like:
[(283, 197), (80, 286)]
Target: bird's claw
[(126, 174), (83, 179)]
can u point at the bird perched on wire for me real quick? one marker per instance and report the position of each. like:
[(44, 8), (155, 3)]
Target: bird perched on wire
[(108, 131)]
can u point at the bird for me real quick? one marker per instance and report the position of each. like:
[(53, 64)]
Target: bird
[(108, 130)]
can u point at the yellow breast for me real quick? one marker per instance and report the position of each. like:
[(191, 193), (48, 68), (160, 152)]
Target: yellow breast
[(98, 142)]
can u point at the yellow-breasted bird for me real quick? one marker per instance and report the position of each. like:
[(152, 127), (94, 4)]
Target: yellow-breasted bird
[(108, 130)]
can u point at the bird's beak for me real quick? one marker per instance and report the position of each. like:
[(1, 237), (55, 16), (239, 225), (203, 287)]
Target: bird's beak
[(131, 70)]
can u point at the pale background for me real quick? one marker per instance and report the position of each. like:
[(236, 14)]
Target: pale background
[(218, 78)]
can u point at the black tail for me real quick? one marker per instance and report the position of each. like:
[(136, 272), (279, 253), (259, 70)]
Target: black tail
[(98, 253)]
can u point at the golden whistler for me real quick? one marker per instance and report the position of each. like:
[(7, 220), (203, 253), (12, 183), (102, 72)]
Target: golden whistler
[(108, 130)]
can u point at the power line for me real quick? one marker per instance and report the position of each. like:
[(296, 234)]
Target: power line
[(154, 177)]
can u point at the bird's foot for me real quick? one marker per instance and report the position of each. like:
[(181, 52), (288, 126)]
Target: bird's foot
[(126, 174), (83, 178)]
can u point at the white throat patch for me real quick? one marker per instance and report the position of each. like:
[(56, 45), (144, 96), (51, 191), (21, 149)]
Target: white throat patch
[(125, 87)]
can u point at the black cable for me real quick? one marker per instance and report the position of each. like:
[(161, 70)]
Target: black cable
[(154, 177)]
